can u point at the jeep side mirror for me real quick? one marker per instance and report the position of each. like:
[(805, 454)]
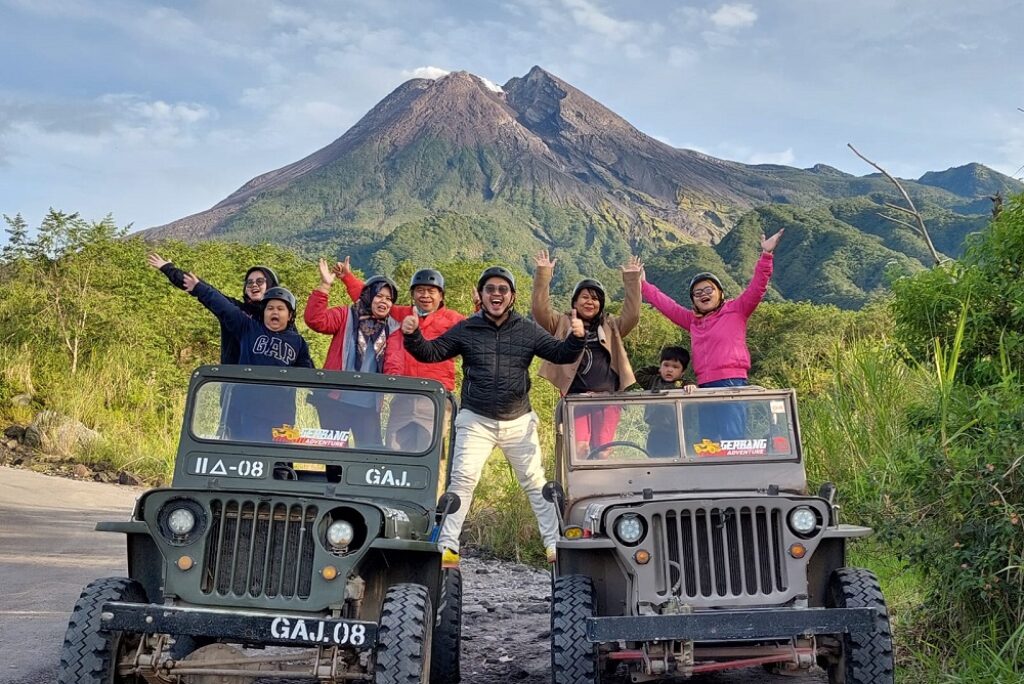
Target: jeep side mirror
[(448, 504), (553, 493), (827, 491)]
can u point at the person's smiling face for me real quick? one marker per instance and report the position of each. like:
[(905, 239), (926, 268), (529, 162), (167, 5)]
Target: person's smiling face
[(587, 305), (496, 296), (427, 298), (256, 286), (706, 297), (381, 303)]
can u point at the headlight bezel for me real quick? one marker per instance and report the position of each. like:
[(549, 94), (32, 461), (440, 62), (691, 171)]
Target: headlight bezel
[(172, 506), (810, 521), (629, 519)]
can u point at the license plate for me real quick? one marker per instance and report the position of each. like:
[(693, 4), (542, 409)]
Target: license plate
[(228, 466), (311, 631)]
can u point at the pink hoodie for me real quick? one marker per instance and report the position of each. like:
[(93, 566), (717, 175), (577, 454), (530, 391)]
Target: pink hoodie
[(718, 340)]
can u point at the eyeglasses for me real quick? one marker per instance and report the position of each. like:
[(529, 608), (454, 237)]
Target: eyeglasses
[(497, 289), (701, 291), (257, 282)]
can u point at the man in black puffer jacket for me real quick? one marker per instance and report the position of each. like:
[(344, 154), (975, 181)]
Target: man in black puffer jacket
[(497, 346)]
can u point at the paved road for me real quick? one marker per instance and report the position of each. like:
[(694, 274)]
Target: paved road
[(48, 551)]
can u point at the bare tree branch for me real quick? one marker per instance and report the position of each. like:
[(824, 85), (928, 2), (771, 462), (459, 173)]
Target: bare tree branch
[(913, 210), (899, 208), (896, 220)]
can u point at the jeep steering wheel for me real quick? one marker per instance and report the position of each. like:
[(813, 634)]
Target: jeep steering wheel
[(607, 445)]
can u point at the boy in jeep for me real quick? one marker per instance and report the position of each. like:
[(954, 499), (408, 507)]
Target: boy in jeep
[(663, 437)]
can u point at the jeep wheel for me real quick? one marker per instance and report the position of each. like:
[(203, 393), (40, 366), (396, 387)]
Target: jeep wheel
[(403, 637), (90, 656), (573, 658), (447, 639), (863, 656)]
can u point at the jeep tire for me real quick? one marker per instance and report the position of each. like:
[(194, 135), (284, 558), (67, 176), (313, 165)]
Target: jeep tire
[(573, 658), (89, 655), (403, 636), (864, 657), (447, 639)]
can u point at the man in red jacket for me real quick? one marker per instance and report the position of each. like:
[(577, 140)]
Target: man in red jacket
[(407, 428)]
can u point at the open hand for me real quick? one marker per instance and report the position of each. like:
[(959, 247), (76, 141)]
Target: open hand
[(543, 260), (577, 325), (689, 389), (768, 245), (190, 282), (326, 276), (633, 265), (156, 261), (410, 324)]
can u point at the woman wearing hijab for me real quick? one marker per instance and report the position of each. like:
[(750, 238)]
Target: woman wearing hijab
[(359, 339)]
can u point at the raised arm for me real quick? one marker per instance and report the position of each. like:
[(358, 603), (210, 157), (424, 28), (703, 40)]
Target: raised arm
[(441, 348), (318, 315), (754, 293), (629, 316), (174, 274), (540, 299), (679, 315), (230, 316)]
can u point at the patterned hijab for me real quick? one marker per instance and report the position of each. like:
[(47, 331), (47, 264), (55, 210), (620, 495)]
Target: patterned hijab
[(370, 333)]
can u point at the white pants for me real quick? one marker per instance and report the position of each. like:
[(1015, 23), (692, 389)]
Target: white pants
[(475, 439)]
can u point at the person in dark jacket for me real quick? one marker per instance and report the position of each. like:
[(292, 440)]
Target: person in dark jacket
[(663, 427), (253, 411), (497, 346), (258, 279)]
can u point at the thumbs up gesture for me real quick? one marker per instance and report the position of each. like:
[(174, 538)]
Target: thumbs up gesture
[(577, 325), (410, 324)]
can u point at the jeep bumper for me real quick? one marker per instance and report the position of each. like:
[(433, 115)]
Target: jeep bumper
[(727, 625), (246, 627)]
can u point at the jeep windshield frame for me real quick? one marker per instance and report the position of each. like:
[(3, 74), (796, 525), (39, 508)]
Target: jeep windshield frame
[(305, 460)]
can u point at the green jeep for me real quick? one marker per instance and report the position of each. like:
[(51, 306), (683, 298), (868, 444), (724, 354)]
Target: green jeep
[(284, 548), (690, 545)]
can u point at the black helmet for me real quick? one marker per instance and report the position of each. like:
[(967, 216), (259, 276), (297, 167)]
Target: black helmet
[(383, 279), (496, 272), (427, 276), (705, 276), (283, 294), (589, 284)]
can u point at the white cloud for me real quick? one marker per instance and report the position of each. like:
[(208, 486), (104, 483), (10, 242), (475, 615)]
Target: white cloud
[(784, 158), (490, 85), (428, 72), (733, 16), (587, 15)]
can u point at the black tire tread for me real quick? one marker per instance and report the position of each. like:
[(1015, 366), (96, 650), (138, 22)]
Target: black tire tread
[(87, 654), (445, 657), (573, 658), (868, 655), (403, 636)]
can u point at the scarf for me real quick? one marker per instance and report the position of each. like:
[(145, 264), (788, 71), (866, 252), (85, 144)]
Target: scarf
[(370, 333)]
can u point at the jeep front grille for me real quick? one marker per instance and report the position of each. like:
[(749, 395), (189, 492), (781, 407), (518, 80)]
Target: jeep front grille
[(258, 548), (720, 553)]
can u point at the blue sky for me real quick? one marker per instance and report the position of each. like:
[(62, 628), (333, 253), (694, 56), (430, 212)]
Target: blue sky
[(152, 111)]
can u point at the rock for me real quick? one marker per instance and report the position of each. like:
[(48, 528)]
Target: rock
[(126, 478), (12, 444), (14, 432), (61, 433), (483, 571), (33, 437), (81, 471), (21, 400)]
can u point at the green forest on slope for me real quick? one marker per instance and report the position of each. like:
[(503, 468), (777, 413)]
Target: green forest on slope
[(913, 404)]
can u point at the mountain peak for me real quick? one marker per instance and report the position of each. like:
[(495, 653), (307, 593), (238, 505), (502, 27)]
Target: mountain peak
[(972, 180)]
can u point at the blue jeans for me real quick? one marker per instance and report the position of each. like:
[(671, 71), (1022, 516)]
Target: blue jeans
[(723, 421)]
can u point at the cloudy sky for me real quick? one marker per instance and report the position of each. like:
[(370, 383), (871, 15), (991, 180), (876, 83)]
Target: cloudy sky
[(152, 111)]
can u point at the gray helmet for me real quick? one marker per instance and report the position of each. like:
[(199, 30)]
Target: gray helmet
[(373, 280), (283, 294), (496, 272), (427, 276), (589, 284), (705, 276)]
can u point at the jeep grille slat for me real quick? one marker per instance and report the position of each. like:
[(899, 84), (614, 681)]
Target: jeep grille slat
[(259, 549), (720, 553)]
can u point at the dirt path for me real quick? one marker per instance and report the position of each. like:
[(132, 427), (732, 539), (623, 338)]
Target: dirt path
[(48, 551)]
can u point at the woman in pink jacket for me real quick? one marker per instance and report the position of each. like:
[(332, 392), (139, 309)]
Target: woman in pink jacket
[(718, 331)]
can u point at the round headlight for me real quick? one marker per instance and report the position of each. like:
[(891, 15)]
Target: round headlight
[(340, 534), (181, 521), (629, 529), (803, 520)]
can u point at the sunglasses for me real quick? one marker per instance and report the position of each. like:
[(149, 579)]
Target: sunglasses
[(257, 282), (700, 292), (497, 289)]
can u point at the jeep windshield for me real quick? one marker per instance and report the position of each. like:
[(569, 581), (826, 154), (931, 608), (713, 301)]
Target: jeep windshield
[(672, 427), (312, 417)]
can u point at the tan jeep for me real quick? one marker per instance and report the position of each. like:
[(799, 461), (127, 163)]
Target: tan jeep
[(691, 545)]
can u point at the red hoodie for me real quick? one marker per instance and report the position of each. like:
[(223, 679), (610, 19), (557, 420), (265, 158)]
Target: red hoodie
[(397, 361)]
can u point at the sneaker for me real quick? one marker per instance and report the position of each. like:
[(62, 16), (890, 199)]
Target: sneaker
[(450, 559), (551, 554)]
